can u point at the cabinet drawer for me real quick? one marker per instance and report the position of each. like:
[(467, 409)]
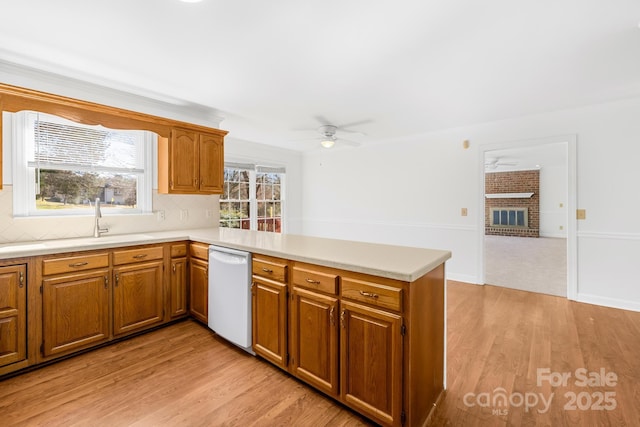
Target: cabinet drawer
[(199, 250), (270, 269), (178, 250), (137, 255), (372, 293), (74, 263), (311, 278)]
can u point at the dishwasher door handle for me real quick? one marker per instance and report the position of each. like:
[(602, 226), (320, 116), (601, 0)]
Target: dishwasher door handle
[(228, 258)]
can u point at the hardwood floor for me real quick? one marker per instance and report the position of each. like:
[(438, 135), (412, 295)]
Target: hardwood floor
[(499, 338), (184, 375)]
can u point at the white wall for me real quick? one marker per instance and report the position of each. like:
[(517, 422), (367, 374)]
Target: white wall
[(411, 191)]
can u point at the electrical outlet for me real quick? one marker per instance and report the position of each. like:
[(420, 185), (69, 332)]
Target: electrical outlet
[(463, 211), (208, 213), (561, 227), (184, 214), (160, 215)]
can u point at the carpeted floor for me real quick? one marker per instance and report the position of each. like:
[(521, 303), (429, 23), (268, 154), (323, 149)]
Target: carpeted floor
[(529, 264)]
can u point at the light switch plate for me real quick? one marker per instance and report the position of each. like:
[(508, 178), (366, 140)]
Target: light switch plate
[(581, 214), (463, 211)]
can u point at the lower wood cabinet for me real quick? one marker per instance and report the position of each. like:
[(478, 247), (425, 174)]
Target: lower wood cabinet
[(372, 343), (199, 282), (269, 320), (76, 311), (314, 339), (13, 314), (138, 300), (371, 361), (92, 297), (179, 280)]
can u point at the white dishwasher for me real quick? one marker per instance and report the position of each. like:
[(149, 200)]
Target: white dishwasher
[(230, 295)]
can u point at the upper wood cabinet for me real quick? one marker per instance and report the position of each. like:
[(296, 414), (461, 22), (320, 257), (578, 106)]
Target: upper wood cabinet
[(190, 162), (14, 99)]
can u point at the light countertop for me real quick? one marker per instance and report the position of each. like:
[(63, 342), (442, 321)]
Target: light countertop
[(394, 262)]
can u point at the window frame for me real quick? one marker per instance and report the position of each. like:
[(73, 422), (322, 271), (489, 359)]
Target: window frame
[(24, 179), (253, 200)]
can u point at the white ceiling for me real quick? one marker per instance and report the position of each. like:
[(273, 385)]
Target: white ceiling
[(401, 68)]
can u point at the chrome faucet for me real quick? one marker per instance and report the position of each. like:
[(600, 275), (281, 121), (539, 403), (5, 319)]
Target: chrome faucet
[(97, 231)]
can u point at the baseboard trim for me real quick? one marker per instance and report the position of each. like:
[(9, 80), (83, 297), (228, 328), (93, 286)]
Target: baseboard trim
[(608, 302), (464, 278)]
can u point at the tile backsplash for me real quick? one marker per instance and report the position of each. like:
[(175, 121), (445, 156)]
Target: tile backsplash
[(201, 211)]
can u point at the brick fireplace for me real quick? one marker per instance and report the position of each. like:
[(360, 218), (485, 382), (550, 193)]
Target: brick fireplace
[(512, 203)]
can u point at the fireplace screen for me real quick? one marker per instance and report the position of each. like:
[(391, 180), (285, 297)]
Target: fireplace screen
[(509, 217)]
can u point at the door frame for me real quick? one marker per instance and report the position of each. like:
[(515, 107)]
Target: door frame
[(571, 142)]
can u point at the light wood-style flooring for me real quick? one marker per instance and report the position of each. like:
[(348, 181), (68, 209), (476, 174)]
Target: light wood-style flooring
[(184, 375)]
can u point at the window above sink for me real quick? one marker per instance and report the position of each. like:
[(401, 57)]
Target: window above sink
[(60, 167)]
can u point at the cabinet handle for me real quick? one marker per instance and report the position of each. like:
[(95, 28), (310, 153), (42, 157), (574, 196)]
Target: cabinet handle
[(331, 319), (342, 318), (266, 270), (78, 264), (314, 282), (368, 294), (106, 282), (174, 268), (21, 280), (140, 256), (117, 279)]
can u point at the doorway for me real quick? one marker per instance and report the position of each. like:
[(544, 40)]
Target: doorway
[(527, 235)]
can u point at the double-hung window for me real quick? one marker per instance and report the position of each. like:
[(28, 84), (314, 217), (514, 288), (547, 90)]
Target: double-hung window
[(61, 167), (253, 197)]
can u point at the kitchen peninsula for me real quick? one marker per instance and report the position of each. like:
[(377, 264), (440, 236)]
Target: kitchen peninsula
[(361, 322)]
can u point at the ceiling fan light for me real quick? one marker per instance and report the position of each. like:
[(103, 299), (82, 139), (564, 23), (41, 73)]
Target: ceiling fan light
[(327, 143)]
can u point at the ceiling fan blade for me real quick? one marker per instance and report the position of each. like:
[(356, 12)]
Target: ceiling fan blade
[(345, 126), (322, 120)]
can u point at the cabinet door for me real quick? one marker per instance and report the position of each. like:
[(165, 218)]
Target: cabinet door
[(13, 314), (211, 164), (178, 288), (371, 362), (183, 162), (199, 290), (269, 318), (75, 311), (314, 339), (137, 296)]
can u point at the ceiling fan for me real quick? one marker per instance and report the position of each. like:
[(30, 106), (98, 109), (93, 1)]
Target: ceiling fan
[(330, 134), (495, 162), (329, 138)]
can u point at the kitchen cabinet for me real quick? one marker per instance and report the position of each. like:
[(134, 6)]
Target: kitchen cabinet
[(314, 339), (178, 282), (191, 162), (75, 303), (199, 281), (13, 314), (314, 327), (269, 292), (371, 361), (138, 293), (373, 343)]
